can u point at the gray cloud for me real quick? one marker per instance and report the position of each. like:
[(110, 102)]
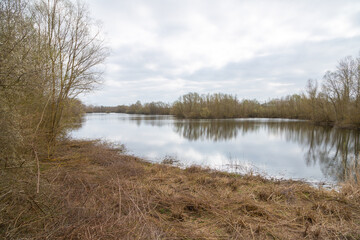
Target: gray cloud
[(255, 49)]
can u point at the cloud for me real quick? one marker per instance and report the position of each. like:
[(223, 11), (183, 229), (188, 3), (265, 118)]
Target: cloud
[(161, 49)]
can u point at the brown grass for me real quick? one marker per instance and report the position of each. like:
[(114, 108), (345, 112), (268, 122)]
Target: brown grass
[(90, 191)]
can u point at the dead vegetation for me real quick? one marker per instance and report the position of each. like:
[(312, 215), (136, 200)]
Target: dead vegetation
[(91, 191)]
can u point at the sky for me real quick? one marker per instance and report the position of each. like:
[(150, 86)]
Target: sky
[(162, 49)]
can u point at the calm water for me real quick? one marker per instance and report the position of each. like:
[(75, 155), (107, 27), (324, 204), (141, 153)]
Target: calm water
[(274, 147)]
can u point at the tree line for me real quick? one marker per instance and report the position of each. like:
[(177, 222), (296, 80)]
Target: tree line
[(336, 101), (193, 105), (159, 108), (50, 52)]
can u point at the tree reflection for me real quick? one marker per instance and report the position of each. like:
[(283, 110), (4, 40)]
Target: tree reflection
[(332, 148), (213, 130), (152, 120)]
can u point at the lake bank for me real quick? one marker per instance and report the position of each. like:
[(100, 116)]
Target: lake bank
[(280, 148), (89, 190)]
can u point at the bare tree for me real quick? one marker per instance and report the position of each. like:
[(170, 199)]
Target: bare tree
[(17, 73), (73, 51), (340, 87)]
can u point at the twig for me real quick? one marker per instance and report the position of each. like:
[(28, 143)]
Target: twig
[(18, 167), (119, 189), (38, 170), (5, 194), (33, 147), (252, 233)]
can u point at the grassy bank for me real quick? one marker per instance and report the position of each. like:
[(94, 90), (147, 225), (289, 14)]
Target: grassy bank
[(91, 191)]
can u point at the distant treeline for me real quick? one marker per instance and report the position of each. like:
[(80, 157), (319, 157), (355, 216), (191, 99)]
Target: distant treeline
[(159, 108), (218, 105), (335, 102)]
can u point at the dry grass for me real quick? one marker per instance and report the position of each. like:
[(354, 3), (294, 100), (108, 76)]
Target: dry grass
[(90, 191)]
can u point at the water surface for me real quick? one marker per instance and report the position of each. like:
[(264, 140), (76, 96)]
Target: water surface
[(275, 147)]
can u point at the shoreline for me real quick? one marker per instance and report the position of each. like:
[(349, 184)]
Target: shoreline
[(327, 185), (315, 123), (90, 190)]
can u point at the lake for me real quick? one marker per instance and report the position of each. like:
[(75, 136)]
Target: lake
[(278, 148)]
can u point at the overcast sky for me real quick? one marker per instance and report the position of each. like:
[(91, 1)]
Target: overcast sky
[(161, 49)]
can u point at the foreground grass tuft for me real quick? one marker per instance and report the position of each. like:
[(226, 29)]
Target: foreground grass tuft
[(92, 191)]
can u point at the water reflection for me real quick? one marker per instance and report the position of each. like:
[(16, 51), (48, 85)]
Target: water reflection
[(215, 130), (272, 143), (152, 120), (334, 148)]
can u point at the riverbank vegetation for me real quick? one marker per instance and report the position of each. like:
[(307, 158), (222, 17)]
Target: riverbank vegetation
[(50, 52), (91, 191)]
